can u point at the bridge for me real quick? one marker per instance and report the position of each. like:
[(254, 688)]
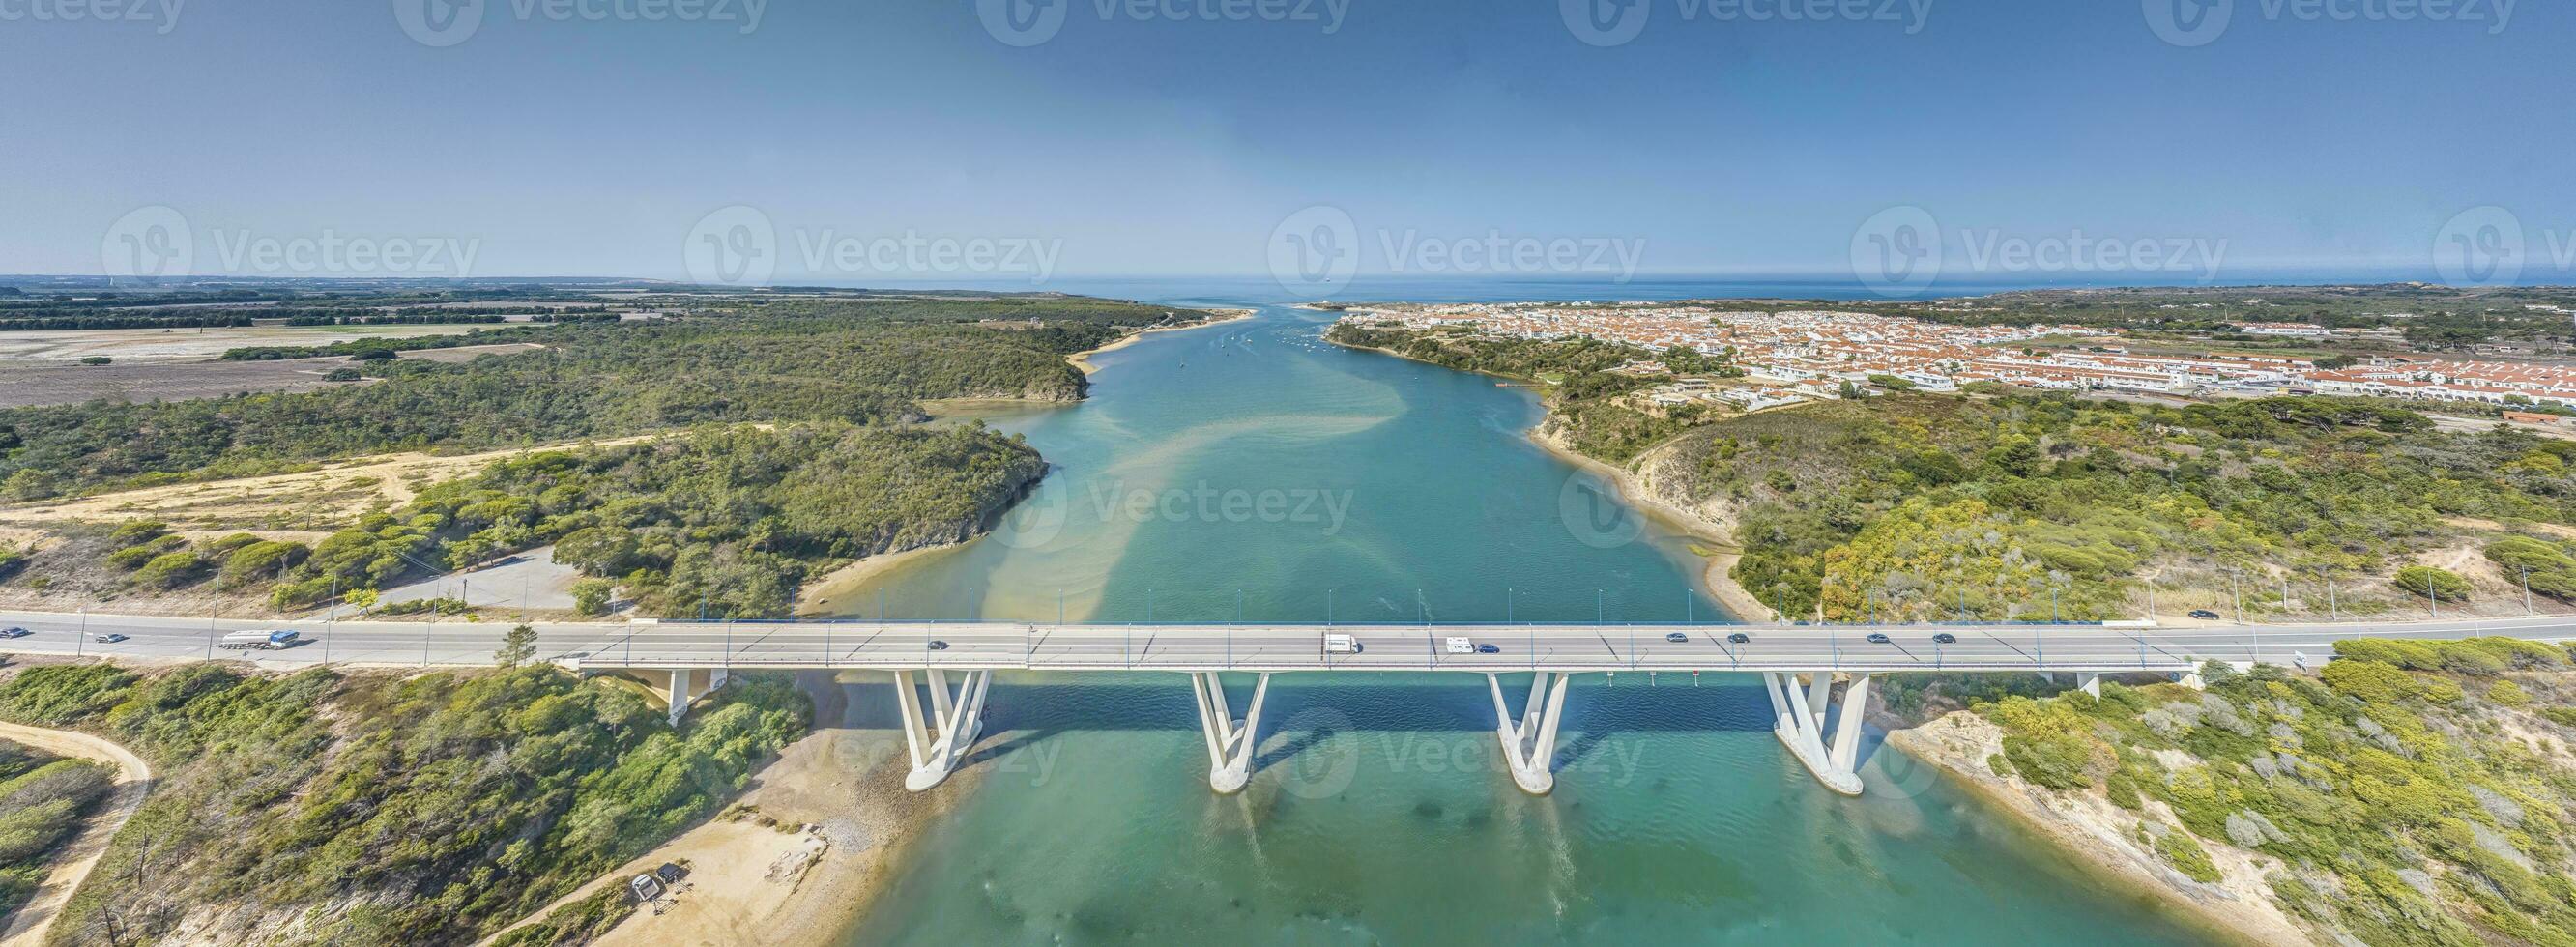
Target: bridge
[(943, 670)]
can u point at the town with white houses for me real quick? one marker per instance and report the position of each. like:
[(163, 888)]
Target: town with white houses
[(1800, 355)]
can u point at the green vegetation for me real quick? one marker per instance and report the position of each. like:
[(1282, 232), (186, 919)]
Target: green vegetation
[(42, 801), (2550, 569), (1913, 506), (427, 810), (730, 520), (1583, 393), (2416, 792), (2008, 504), (579, 922), (856, 360), (2434, 583)]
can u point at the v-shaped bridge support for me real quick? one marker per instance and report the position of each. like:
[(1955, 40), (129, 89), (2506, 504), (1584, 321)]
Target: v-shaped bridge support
[(1800, 724), (1230, 742), (954, 723), (1529, 742)]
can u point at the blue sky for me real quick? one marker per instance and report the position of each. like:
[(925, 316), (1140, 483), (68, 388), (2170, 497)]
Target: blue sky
[(1176, 139)]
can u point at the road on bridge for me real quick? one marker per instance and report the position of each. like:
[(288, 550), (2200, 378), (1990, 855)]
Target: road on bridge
[(1193, 647)]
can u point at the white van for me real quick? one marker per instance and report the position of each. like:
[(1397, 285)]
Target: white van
[(1340, 644), (1461, 646)]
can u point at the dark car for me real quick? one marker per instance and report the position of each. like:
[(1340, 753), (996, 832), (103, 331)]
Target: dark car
[(1488, 649), (109, 638), (1877, 638), (1739, 638), (1945, 638), (2204, 614), (14, 632), (1676, 637), (937, 645)]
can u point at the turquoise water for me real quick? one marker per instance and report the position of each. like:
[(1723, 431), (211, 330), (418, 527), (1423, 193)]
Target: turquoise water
[(1379, 813)]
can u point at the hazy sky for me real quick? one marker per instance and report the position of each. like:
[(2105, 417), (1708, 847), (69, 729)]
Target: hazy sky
[(595, 137)]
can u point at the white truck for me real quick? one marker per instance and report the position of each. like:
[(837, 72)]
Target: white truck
[(1341, 644), (260, 640), (1461, 646)]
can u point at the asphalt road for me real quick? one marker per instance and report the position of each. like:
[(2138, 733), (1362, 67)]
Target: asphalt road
[(866, 644)]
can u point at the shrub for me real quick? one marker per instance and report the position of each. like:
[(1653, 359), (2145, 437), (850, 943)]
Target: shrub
[(2184, 853), (590, 597), (261, 560), (138, 531), (2429, 581)]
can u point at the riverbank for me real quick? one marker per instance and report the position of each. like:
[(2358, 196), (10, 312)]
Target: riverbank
[(2236, 909), (1082, 359), (843, 590), (797, 860), (1717, 574)]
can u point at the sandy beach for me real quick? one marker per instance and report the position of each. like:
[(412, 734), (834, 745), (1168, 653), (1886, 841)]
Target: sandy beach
[(803, 853), (1082, 359), (843, 589), (2089, 829)]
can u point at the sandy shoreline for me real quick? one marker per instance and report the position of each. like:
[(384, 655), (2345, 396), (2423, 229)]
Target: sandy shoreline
[(837, 821), (1082, 359), (1716, 576), (822, 596), (2234, 911)]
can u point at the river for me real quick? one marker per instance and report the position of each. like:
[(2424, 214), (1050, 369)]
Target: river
[(1251, 472)]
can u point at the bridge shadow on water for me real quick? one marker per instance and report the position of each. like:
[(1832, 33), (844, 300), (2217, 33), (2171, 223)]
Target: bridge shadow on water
[(1311, 708)]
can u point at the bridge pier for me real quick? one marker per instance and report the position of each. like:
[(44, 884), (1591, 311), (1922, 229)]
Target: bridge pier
[(681, 694), (937, 745), (1529, 742), (1230, 742), (1800, 724)]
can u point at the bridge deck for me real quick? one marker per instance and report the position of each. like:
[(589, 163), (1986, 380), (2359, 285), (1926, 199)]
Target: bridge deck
[(1195, 647)]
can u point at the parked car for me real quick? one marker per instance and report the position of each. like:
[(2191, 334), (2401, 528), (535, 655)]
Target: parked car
[(1676, 637), (109, 638), (1878, 638), (1739, 638), (14, 632), (937, 645), (2204, 614), (1945, 638)]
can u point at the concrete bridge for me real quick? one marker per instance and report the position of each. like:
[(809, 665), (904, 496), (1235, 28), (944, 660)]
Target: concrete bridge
[(943, 670)]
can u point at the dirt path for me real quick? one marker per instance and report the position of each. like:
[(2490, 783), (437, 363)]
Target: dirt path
[(133, 780), (339, 491)]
